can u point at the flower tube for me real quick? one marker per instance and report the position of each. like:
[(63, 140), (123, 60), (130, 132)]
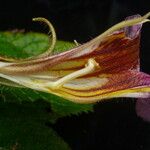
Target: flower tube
[(103, 68)]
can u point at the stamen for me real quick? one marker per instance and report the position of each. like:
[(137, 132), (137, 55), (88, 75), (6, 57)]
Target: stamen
[(89, 68), (118, 26), (126, 23), (49, 50), (76, 43), (53, 33)]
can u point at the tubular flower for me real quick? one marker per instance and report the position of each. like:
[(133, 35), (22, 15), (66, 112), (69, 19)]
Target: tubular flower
[(105, 67)]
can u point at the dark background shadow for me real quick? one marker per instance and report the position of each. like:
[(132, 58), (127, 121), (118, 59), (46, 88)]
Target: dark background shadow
[(114, 124)]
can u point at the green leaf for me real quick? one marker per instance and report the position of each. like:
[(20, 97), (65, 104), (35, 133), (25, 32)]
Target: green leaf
[(24, 127), (19, 45), (22, 45), (60, 107)]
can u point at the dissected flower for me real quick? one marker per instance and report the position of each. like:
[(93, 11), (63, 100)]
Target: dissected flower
[(105, 67)]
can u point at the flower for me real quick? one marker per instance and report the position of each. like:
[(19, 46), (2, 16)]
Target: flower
[(105, 67)]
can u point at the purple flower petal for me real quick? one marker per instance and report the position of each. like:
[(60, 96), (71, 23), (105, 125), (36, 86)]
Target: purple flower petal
[(133, 31), (143, 108)]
